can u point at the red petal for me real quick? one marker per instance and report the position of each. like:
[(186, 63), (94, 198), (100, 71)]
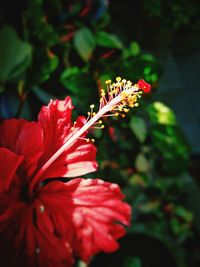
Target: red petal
[(98, 211), (78, 161), (56, 123), (23, 138), (29, 229), (9, 164), (57, 202)]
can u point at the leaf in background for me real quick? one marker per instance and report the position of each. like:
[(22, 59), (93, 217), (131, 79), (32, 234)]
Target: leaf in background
[(138, 64), (149, 207), (134, 49), (173, 147), (183, 213), (131, 51), (38, 23), (84, 43), (160, 113), (132, 262), (139, 128), (81, 85), (141, 163), (44, 63), (108, 40), (15, 54)]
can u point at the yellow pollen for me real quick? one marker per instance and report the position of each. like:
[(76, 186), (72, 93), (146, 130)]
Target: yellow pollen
[(100, 122), (102, 126), (92, 106), (42, 208), (118, 79), (92, 140), (108, 82)]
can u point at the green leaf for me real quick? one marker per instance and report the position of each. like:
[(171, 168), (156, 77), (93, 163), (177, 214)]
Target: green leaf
[(80, 84), (69, 73), (149, 207), (108, 40), (139, 128), (44, 63), (160, 113), (141, 163), (172, 146), (84, 43), (134, 49), (15, 54), (132, 262)]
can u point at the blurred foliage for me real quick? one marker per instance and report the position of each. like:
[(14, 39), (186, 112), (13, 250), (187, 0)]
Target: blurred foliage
[(64, 48), (174, 13)]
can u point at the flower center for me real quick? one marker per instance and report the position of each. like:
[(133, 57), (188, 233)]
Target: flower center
[(25, 196)]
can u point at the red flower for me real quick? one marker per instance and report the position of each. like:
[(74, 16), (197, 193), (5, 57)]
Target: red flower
[(146, 87), (44, 220)]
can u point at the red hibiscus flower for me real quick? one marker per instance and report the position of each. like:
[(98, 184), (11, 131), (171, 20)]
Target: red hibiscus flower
[(46, 220)]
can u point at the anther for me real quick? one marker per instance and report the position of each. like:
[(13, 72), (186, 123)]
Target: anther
[(108, 82), (42, 208), (118, 79), (37, 250)]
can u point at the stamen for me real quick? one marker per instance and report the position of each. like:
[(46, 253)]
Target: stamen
[(73, 127), (120, 96)]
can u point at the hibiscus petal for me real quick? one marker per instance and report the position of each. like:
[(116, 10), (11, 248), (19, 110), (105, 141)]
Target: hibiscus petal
[(98, 216), (57, 203), (29, 232), (56, 124), (80, 158), (9, 164), (23, 138), (78, 161)]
